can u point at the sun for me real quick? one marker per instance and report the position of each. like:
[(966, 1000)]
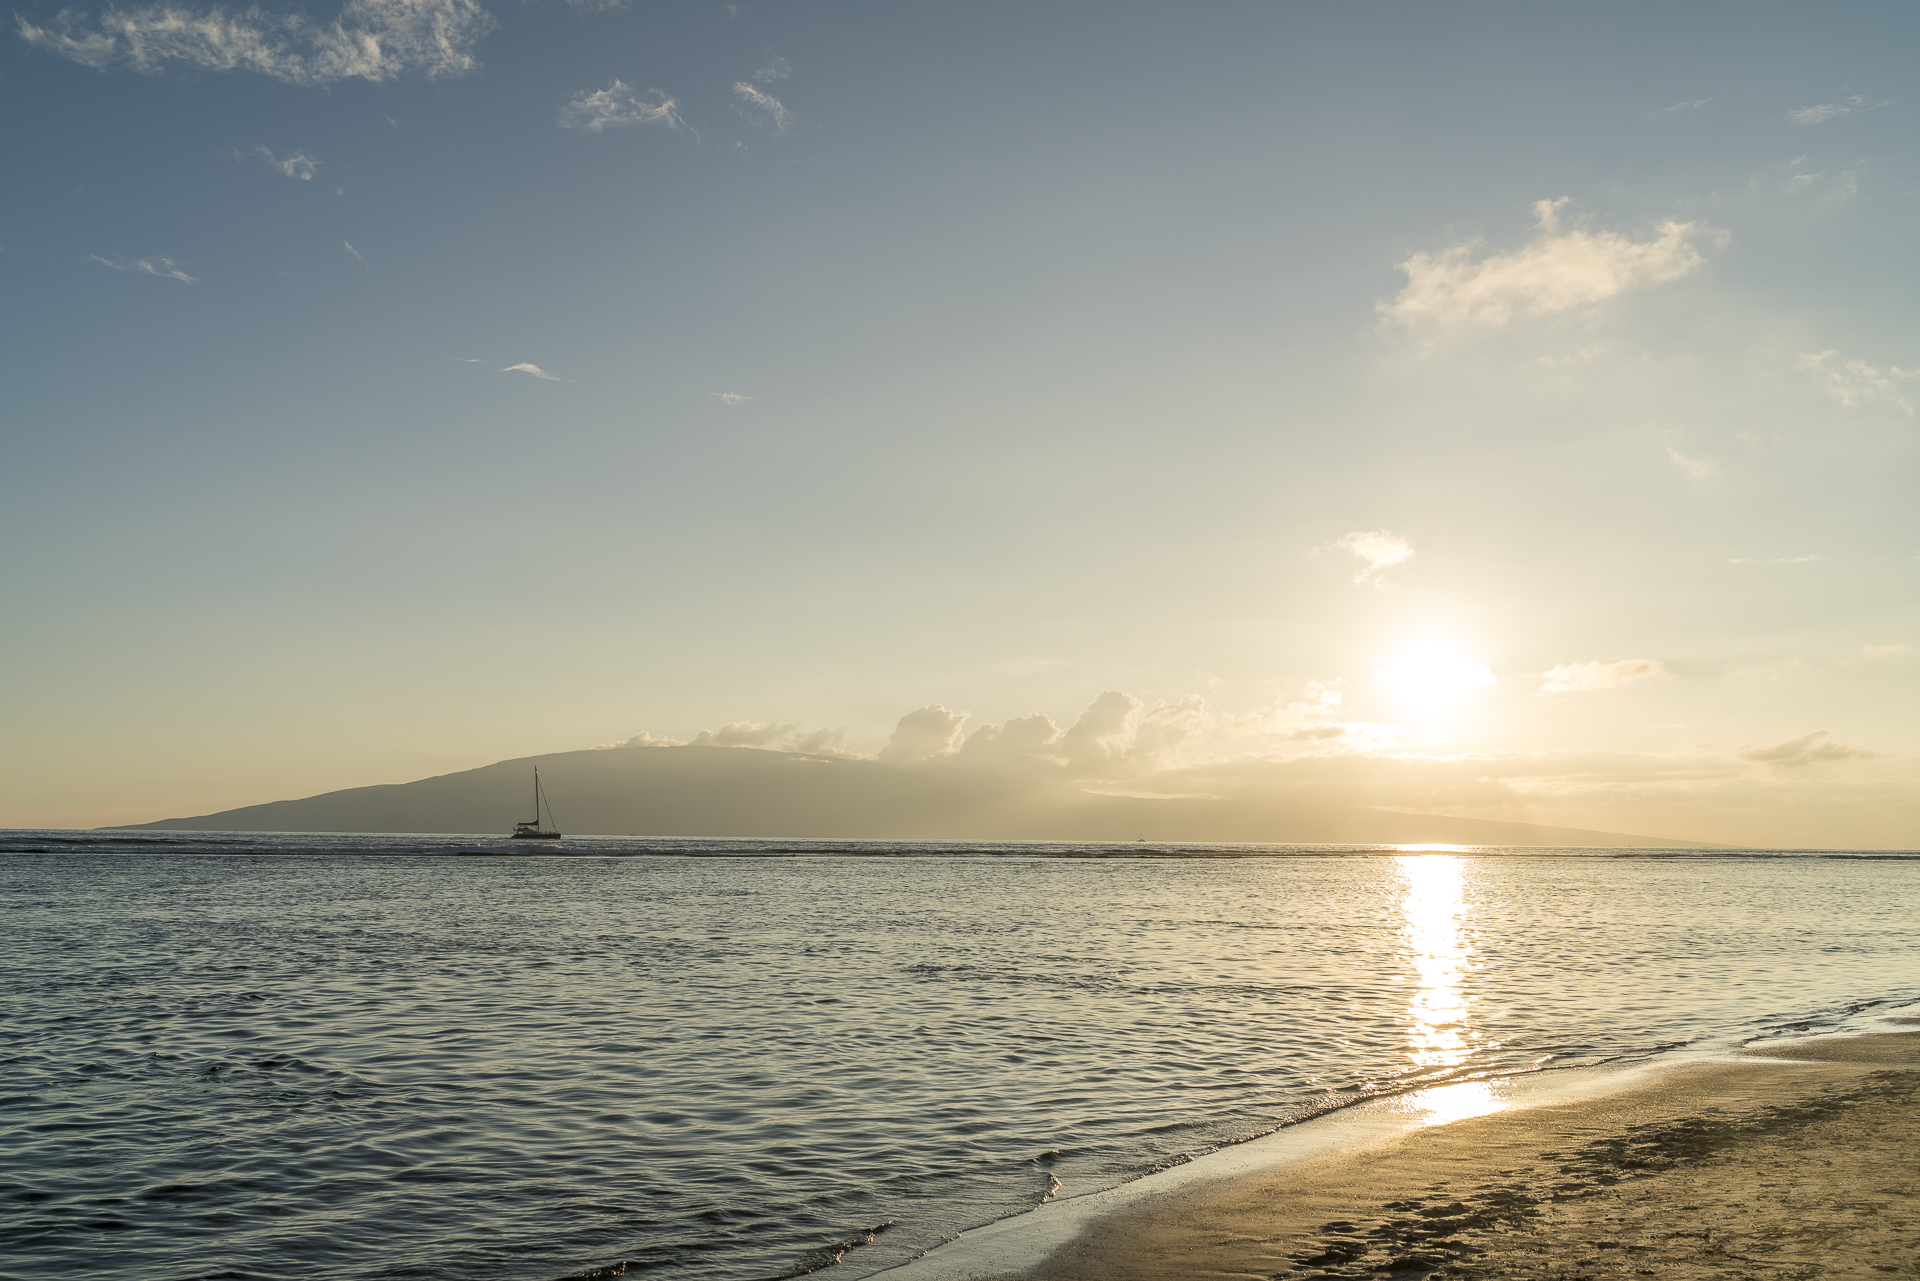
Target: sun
[(1432, 674)]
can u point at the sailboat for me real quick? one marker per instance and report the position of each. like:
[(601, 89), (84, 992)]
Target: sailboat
[(532, 830)]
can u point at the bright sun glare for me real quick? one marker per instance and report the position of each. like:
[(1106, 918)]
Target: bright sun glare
[(1432, 674)]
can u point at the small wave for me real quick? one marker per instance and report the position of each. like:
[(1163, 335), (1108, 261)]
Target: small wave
[(834, 1253), (598, 1274)]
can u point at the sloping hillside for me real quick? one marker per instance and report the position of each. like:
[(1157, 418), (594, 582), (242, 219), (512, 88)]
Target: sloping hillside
[(715, 791)]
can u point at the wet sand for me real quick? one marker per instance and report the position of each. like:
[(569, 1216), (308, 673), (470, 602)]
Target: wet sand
[(1798, 1162)]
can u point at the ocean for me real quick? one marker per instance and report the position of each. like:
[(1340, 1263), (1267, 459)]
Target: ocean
[(235, 1055)]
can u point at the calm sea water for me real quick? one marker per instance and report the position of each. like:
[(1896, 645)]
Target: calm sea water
[(247, 1056)]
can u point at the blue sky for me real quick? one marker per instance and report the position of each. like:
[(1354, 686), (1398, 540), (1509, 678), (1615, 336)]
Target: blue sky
[(990, 357)]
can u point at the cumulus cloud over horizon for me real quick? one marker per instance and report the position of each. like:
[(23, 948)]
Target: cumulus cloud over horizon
[(373, 40), (1562, 269), (766, 735), (1767, 795)]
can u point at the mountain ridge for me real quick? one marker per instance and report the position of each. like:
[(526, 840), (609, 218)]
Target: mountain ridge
[(698, 791)]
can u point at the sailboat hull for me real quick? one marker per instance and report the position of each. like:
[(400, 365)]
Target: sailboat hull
[(536, 836)]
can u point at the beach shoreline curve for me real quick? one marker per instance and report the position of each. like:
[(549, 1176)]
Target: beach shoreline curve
[(1788, 1158)]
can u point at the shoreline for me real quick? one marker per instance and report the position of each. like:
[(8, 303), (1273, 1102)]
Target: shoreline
[(1792, 1159)]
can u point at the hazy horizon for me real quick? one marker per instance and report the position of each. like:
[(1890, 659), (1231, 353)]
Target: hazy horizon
[(1480, 410)]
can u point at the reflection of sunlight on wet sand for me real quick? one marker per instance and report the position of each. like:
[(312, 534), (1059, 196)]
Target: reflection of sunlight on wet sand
[(1439, 948), (1457, 1102)]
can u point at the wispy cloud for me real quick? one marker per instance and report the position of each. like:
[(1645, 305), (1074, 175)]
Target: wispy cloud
[(772, 70), (147, 267), (1774, 560), (1582, 678), (467, 360), (298, 165), (370, 40), (358, 256), (731, 398), (1677, 109), (1695, 469), (1797, 753), (1562, 269), (1856, 384), (528, 367), (762, 107), (1833, 187), (1820, 113), (1378, 550), (617, 106), (1885, 651)]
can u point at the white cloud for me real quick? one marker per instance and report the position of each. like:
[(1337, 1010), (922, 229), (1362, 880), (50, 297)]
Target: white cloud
[(371, 40), (1825, 111), (823, 742), (1856, 384), (1378, 549), (298, 165), (1775, 560), (1678, 108), (617, 106), (1580, 678), (348, 246), (761, 734), (731, 398), (762, 107), (772, 70), (1833, 187), (467, 360), (744, 734), (1312, 724), (1885, 651), (1117, 736), (527, 367), (1020, 744), (1560, 270), (1796, 753), (642, 739), (922, 735), (1692, 468), (148, 267)]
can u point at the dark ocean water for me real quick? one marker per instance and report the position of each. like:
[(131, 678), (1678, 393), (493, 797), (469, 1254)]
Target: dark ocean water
[(241, 1056)]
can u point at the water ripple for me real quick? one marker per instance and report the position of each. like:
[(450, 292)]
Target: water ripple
[(243, 1056)]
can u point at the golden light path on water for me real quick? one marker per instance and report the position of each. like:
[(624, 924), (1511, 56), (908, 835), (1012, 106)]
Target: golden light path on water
[(1440, 947)]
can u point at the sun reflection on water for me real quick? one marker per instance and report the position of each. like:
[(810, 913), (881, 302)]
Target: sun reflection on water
[(1441, 950)]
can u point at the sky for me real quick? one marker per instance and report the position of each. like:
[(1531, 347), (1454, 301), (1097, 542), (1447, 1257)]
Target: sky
[(1498, 410)]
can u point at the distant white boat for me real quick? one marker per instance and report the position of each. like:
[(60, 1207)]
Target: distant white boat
[(531, 830)]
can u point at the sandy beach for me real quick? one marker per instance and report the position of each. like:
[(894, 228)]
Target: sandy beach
[(1794, 1162)]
